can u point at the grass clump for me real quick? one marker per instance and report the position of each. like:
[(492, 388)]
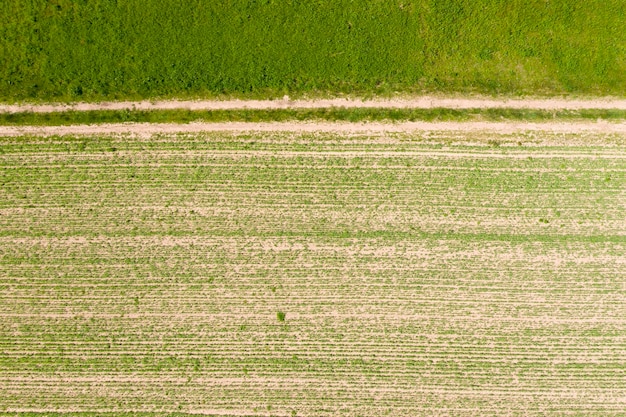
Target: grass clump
[(280, 315)]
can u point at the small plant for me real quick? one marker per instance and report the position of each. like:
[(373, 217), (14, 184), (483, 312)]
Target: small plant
[(281, 316)]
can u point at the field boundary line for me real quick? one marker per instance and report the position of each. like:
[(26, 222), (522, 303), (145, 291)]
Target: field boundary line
[(149, 129), (424, 102)]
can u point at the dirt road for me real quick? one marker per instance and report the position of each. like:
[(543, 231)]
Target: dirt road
[(148, 129), (286, 102)]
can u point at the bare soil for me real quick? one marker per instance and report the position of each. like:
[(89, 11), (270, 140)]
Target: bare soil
[(149, 129)]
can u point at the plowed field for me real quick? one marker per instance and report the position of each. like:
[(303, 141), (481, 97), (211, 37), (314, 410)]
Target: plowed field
[(419, 274)]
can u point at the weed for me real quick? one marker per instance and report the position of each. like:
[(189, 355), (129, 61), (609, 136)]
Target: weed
[(281, 316)]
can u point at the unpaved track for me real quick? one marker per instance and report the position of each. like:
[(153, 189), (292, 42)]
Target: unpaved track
[(149, 129), (425, 102)]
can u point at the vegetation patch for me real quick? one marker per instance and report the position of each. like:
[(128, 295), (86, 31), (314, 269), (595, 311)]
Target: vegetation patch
[(280, 315), (281, 115), (60, 50)]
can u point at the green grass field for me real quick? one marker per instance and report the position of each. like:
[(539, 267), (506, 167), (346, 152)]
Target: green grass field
[(59, 50), (418, 275)]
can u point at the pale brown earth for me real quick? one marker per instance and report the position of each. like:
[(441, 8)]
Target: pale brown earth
[(150, 129), (286, 103)]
